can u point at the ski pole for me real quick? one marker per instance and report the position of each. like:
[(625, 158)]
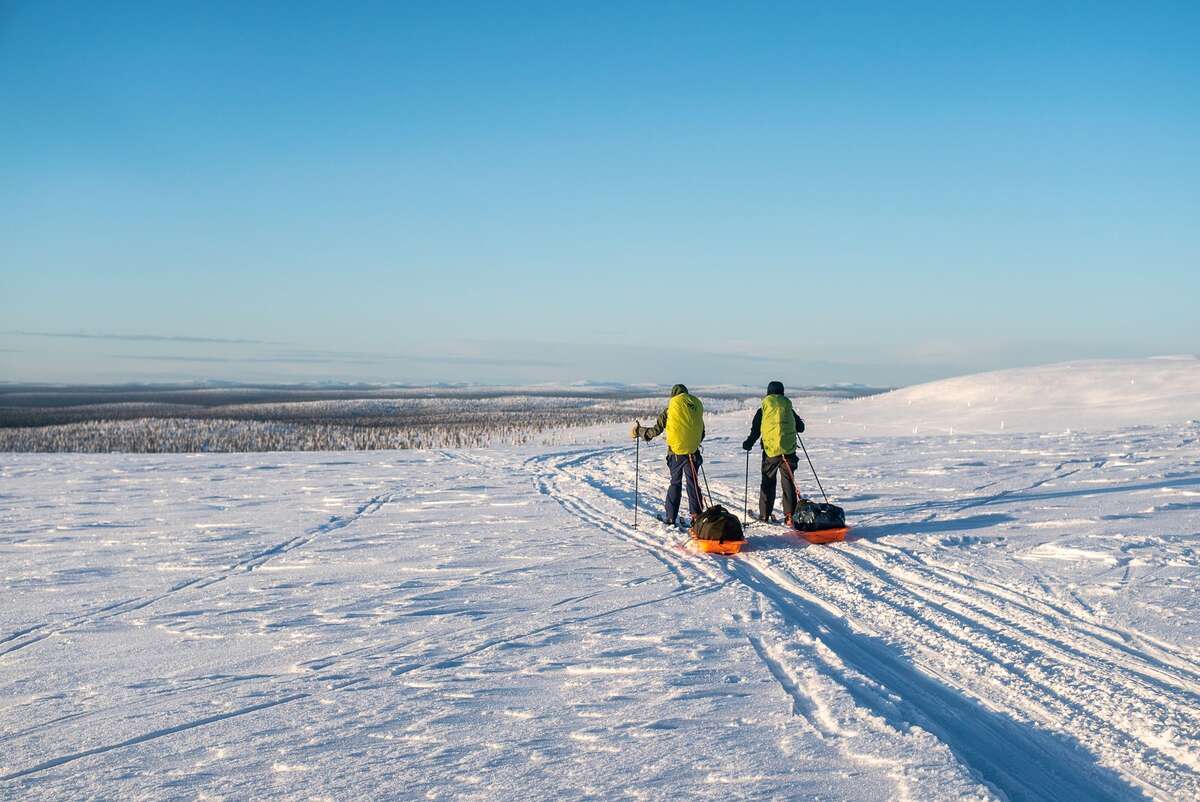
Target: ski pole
[(746, 494), (811, 468), (637, 469)]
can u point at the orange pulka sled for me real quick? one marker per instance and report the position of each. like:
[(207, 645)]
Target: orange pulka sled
[(727, 548), (825, 535)]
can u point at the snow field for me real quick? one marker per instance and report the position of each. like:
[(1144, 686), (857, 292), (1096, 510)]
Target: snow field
[(1013, 617)]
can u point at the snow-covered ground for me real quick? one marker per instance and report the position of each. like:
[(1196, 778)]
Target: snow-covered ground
[(1015, 615), (1090, 395)]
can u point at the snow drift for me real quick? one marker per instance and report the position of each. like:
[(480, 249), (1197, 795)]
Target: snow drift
[(1078, 396)]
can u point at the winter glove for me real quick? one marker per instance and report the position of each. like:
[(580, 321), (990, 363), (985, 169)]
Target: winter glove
[(636, 431), (800, 428), (747, 444)]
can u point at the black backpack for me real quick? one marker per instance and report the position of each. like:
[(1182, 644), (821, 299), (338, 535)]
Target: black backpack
[(717, 523), (813, 517)]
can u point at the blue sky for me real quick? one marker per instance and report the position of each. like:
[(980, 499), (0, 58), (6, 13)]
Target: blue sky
[(497, 192)]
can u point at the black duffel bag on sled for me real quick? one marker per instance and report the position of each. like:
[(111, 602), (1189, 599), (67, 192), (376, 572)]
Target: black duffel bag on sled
[(813, 517), (717, 530)]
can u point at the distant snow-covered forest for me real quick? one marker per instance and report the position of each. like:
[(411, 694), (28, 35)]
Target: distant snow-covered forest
[(189, 419)]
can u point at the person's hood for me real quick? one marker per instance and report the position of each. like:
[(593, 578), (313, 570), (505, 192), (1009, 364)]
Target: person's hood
[(775, 388), (678, 389)]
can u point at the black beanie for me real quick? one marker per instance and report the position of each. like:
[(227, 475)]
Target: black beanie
[(775, 388)]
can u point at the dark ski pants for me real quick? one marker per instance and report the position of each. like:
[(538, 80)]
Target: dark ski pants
[(680, 467), (766, 493)]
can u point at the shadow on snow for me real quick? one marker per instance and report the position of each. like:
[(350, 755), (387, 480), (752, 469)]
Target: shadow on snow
[(929, 527), (1017, 759)]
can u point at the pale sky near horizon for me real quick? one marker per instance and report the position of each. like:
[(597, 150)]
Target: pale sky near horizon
[(713, 193)]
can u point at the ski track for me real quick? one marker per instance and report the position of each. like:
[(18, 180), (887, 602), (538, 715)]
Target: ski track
[(151, 736), (28, 636), (246, 564), (331, 673), (1027, 694), (352, 669)]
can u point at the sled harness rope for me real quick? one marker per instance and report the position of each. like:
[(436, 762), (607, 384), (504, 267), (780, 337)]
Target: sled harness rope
[(696, 480)]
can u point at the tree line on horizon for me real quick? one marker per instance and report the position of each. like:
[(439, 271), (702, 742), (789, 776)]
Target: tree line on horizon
[(336, 426)]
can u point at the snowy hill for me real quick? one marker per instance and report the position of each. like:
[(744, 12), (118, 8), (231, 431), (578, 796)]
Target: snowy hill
[(1077, 396), (1014, 616)]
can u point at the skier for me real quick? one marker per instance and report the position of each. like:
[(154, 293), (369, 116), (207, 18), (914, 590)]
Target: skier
[(778, 424), (683, 421)]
